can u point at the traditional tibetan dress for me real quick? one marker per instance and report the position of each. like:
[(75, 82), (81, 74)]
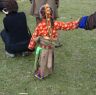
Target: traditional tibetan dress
[(44, 60)]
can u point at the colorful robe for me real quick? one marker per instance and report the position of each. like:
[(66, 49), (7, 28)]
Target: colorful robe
[(46, 44)]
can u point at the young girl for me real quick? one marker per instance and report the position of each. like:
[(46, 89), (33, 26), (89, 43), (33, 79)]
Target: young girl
[(45, 35), (54, 4)]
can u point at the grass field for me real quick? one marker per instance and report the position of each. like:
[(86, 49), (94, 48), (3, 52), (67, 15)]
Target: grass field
[(75, 61)]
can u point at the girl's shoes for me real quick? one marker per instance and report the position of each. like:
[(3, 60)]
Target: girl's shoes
[(38, 76)]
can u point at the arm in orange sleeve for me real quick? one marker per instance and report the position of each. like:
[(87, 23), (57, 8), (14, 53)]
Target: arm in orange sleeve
[(32, 42), (66, 25)]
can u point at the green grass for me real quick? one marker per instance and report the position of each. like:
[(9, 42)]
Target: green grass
[(75, 61)]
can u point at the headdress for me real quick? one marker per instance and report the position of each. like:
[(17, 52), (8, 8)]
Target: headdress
[(46, 12)]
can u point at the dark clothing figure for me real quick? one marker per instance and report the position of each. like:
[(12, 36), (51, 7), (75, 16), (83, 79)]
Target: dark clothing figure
[(88, 22), (1, 5), (15, 34), (91, 22)]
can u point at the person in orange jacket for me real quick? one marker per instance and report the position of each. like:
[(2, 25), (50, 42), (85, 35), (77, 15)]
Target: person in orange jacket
[(44, 36)]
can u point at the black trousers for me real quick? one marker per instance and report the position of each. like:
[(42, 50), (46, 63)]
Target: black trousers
[(10, 47)]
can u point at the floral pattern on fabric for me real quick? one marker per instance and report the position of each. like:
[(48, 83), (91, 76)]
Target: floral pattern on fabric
[(41, 30)]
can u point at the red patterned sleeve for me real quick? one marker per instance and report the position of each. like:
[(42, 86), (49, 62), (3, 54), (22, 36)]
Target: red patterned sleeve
[(66, 25), (32, 43)]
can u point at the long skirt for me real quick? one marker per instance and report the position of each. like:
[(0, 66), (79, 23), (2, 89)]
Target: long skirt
[(45, 63), (44, 60)]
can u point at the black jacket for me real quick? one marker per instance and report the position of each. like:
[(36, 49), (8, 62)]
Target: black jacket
[(15, 26)]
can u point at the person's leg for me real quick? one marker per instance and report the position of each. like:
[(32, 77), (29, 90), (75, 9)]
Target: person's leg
[(42, 69), (5, 37), (50, 61)]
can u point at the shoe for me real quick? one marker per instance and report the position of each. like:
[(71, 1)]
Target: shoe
[(9, 54), (26, 53), (38, 76)]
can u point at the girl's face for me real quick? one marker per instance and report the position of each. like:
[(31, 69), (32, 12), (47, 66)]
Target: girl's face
[(46, 12)]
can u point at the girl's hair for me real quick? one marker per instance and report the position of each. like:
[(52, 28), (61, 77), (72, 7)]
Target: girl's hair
[(11, 5), (42, 13)]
